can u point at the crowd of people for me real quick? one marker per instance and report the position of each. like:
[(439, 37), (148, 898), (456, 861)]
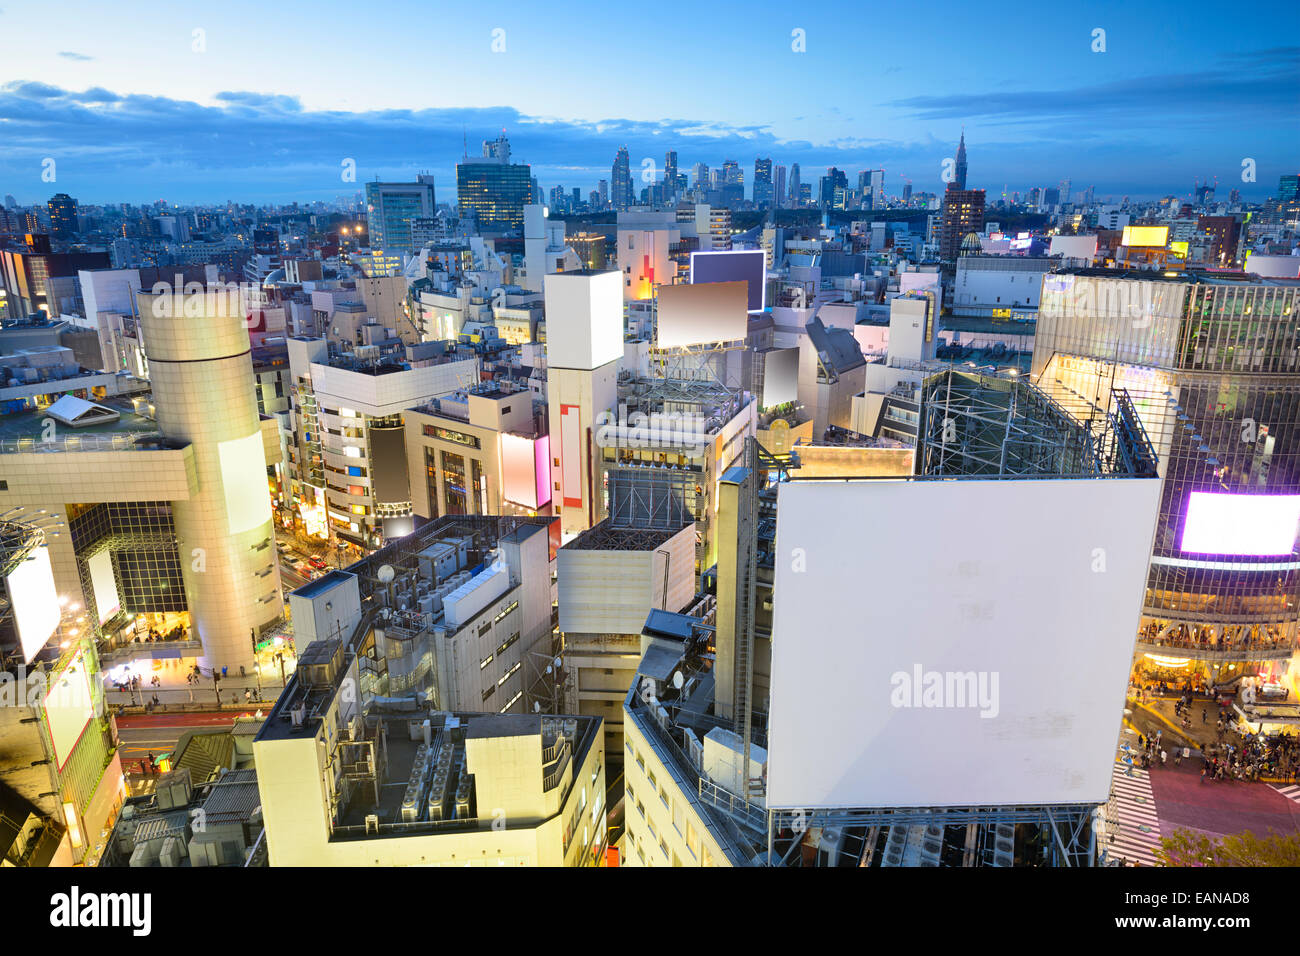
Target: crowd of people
[(1209, 639)]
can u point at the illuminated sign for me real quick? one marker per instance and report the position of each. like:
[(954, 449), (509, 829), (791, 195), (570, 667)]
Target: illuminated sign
[(1145, 236), (1248, 525), (34, 600)]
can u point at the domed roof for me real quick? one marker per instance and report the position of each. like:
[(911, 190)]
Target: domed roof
[(971, 245)]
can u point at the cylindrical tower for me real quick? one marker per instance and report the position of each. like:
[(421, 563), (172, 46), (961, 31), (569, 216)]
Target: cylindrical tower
[(201, 368)]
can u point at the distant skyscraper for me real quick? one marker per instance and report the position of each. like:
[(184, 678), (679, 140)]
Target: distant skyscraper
[(778, 186), (763, 192), (963, 212), (795, 195), (1051, 196), (1288, 189), (63, 216), (834, 179), (670, 172), (732, 174), (390, 208), (701, 173), (907, 192), (621, 180), (602, 190), (959, 178)]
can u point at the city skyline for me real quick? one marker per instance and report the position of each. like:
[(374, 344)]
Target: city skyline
[(214, 114)]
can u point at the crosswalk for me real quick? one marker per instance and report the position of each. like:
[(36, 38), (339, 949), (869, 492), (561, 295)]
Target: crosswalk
[(1132, 828), (1291, 792)]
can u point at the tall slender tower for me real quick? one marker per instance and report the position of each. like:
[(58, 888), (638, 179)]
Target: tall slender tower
[(200, 365), (959, 181)]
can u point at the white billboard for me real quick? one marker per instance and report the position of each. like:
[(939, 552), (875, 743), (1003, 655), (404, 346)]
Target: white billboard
[(697, 314), (1073, 247), (584, 319), (953, 643), (104, 585), (780, 377), (69, 706), (34, 601)]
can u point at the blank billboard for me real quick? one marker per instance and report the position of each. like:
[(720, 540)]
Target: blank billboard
[(1248, 525), (243, 478), (1073, 247), (68, 708), (733, 265), (953, 643), (780, 377), (35, 601), (102, 582), (696, 314)]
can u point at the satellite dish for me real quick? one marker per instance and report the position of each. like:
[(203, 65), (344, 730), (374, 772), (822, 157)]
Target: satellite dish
[(537, 707), (678, 680), (386, 573)]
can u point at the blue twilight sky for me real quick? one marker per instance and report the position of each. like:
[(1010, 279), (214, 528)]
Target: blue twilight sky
[(259, 101)]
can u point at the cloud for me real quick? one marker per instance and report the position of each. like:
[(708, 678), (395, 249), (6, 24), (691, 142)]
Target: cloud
[(1259, 84), (1141, 136), (79, 57)]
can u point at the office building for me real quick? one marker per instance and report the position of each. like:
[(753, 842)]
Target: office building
[(63, 216), (963, 213), (348, 459), (408, 735), (764, 189), (621, 181), (391, 211), (493, 191)]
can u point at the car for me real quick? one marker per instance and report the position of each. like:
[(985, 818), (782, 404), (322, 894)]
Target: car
[(302, 568), (317, 562)]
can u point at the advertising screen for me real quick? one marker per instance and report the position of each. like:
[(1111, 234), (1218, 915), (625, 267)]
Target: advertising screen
[(1254, 525), (1148, 236), (696, 314), (34, 600), (735, 265), (938, 643)]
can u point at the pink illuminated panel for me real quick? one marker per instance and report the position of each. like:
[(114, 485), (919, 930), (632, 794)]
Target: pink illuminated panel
[(1253, 525), (525, 470)]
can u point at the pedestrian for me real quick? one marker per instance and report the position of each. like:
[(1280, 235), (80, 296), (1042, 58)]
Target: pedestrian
[(1164, 757), (248, 695)]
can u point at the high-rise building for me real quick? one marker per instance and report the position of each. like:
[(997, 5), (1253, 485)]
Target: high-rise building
[(959, 172), (835, 179), (701, 174), (391, 208), (602, 193), (732, 174), (494, 192), (963, 212), (779, 197), (1224, 234), (621, 180), (1288, 189), (763, 187), (795, 195), (1219, 398), (670, 173), (63, 216)]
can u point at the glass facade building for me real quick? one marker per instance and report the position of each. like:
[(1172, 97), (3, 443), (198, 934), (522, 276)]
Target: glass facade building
[(391, 208), (1211, 365), (494, 194)]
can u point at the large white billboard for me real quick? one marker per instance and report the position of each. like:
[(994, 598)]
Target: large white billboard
[(697, 314), (107, 601), (69, 706), (953, 643), (34, 601)]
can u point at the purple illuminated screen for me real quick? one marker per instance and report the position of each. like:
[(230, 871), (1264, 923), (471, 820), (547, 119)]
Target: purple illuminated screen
[(1254, 525), (738, 265)]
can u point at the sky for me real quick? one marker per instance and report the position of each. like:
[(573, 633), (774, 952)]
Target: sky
[(258, 102)]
